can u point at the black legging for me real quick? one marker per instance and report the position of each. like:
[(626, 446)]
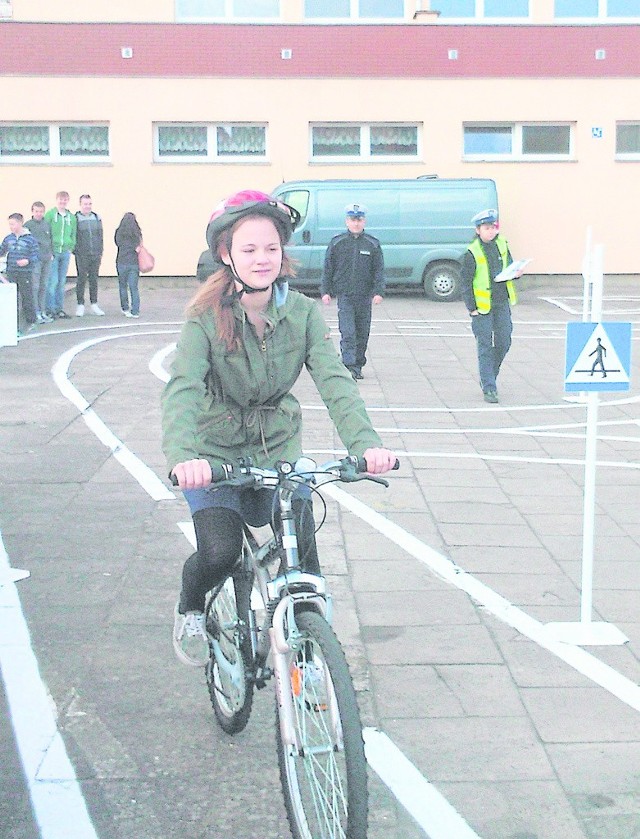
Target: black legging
[(219, 540)]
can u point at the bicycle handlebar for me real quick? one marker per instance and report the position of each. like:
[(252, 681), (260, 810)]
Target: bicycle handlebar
[(347, 469)]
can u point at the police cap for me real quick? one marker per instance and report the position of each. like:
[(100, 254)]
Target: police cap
[(355, 210), (485, 217)]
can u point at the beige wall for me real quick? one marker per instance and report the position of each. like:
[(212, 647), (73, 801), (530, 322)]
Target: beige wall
[(546, 207), (94, 11)]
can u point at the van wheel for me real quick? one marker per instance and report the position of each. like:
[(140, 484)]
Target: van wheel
[(442, 281)]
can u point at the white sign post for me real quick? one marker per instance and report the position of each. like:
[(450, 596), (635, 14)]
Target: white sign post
[(588, 368), (8, 315)]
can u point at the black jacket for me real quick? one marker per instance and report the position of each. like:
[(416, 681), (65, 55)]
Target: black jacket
[(353, 266), (89, 236)]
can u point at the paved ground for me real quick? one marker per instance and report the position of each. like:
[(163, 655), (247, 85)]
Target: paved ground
[(443, 586)]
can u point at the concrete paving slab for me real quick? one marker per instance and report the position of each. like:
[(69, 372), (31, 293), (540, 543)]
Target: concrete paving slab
[(503, 748), (512, 810)]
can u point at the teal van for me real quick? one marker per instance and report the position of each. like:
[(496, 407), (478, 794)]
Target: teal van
[(424, 226)]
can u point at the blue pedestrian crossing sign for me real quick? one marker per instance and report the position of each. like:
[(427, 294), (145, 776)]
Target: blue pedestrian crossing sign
[(598, 356)]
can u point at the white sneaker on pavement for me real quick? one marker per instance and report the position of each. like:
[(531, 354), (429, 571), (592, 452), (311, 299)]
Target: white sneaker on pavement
[(190, 641), (97, 310), (79, 310)]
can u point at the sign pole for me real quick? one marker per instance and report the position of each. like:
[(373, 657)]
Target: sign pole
[(588, 527), (586, 277), (587, 293), (591, 446), (587, 632)]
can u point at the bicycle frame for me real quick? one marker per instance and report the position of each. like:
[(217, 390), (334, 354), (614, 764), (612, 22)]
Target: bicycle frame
[(289, 590)]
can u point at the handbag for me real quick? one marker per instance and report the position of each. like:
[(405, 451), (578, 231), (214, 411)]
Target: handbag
[(146, 261)]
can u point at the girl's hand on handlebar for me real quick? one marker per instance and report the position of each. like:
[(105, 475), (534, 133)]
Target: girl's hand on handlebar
[(379, 461), (193, 474)]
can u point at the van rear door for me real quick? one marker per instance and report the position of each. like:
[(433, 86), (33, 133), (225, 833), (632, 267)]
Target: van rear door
[(303, 248)]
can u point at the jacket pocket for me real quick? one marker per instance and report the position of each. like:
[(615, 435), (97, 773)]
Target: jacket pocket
[(221, 426)]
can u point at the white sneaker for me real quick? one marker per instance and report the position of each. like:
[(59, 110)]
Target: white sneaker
[(126, 313), (97, 310), (190, 641), (79, 310)]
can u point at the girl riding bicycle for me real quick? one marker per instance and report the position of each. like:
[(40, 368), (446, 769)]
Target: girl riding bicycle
[(241, 350)]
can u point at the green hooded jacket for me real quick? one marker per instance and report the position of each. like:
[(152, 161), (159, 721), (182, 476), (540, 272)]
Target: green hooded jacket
[(221, 405), (63, 230)]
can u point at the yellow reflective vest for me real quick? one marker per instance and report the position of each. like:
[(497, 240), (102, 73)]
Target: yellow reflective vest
[(482, 278)]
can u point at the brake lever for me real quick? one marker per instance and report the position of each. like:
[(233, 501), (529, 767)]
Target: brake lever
[(376, 480)]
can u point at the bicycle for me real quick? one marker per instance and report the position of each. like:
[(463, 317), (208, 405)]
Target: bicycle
[(320, 747)]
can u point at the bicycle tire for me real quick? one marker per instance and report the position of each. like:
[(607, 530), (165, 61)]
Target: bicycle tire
[(226, 620), (325, 784)]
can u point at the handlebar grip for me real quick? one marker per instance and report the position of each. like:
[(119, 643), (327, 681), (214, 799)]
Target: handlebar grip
[(361, 465), (218, 474)]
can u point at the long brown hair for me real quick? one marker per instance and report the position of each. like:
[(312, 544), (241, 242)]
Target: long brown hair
[(220, 287)]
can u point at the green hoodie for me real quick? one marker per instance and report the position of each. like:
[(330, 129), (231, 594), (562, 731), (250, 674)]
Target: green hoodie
[(63, 229), (222, 405)]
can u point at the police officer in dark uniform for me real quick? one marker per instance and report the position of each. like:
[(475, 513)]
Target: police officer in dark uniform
[(354, 274)]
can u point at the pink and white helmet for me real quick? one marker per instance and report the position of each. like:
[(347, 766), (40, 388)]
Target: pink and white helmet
[(250, 202)]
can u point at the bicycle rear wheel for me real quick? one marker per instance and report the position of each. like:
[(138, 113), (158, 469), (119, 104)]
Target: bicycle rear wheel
[(228, 679), (324, 781)]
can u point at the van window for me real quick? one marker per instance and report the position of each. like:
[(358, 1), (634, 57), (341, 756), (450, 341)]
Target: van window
[(299, 200)]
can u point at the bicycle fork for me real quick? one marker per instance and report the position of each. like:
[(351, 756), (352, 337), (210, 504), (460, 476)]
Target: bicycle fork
[(283, 642)]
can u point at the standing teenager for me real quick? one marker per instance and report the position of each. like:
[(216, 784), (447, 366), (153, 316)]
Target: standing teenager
[(63, 227), (88, 251), (128, 238)]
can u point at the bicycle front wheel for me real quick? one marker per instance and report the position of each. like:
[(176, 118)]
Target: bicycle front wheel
[(324, 778)]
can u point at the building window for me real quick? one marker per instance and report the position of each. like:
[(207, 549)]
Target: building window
[(628, 140), (353, 9), (38, 143), (206, 142), (597, 9), (346, 142), (472, 9), (211, 10), (623, 8), (520, 141)]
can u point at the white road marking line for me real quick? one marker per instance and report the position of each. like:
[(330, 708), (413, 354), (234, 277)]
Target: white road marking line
[(429, 808), (496, 458), (564, 306), (479, 409), (145, 476), (59, 808), (515, 432)]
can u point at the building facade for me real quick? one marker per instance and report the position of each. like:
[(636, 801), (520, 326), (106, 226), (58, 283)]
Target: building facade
[(163, 107)]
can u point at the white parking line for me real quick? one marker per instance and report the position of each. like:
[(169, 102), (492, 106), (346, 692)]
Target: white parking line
[(146, 477), (58, 805), (428, 807)]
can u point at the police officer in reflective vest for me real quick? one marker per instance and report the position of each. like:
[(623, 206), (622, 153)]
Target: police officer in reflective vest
[(354, 273), (489, 302)]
